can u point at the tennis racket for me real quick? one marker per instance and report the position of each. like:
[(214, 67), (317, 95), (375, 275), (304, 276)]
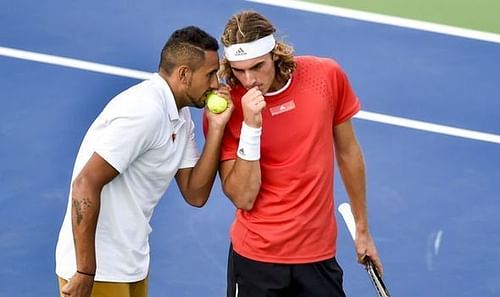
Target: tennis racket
[(376, 279)]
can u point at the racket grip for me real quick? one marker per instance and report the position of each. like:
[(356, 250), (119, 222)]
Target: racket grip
[(345, 211)]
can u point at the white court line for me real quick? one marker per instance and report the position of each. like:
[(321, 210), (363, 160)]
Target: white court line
[(365, 115), (383, 19), (425, 126), (73, 63)]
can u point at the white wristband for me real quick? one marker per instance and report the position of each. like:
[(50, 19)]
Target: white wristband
[(249, 146)]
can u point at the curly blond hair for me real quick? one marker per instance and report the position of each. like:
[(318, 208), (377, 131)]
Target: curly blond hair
[(248, 26)]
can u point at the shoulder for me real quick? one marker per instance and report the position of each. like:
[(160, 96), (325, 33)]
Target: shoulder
[(138, 103), (318, 63)]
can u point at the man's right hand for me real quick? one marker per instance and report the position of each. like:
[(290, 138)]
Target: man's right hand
[(252, 104), (79, 285), (218, 121)]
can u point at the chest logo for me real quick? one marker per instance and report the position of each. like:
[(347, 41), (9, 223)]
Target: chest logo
[(281, 108)]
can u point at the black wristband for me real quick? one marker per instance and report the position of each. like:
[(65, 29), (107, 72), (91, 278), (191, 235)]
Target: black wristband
[(84, 273)]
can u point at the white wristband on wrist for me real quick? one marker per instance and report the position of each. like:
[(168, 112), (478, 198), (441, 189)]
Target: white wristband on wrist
[(249, 146)]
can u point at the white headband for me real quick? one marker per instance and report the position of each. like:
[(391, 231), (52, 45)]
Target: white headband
[(250, 50)]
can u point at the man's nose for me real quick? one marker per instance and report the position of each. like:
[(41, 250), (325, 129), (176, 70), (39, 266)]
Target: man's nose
[(250, 79)]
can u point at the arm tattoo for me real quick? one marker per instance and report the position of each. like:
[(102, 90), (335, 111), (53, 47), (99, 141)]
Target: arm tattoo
[(79, 206)]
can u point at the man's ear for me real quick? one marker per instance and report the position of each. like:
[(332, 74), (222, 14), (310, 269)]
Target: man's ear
[(184, 74), (275, 57)]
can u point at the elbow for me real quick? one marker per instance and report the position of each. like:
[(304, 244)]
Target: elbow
[(248, 206), (243, 201), (84, 189), (197, 202), (80, 186), (242, 195)]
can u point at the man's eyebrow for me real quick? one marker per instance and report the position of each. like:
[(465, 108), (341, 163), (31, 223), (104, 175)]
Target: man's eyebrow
[(252, 67)]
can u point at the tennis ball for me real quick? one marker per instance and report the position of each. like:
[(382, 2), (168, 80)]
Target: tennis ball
[(216, 103)]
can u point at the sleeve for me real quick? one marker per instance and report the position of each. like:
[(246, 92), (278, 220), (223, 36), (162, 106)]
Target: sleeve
[(346, 103), (129, 130), (191, 154)]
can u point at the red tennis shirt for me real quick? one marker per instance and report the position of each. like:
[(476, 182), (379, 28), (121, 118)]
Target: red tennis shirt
[(292, 220)]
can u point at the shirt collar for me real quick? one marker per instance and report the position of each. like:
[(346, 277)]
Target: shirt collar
[(274, 93), (167, 95)]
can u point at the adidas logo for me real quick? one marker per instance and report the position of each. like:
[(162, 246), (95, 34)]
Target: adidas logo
[(240, 52), (242, 152)]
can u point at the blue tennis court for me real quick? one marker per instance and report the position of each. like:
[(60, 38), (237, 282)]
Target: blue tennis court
[(433, 194)]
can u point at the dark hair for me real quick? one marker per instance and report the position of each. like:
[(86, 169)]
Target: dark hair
[(248, 26), (187, 46)]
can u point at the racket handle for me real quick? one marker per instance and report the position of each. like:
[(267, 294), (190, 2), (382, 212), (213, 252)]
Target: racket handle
[(378, 283), (345, 211)]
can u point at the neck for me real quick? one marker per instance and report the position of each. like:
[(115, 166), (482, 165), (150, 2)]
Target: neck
[(173, 87), (276, 85)]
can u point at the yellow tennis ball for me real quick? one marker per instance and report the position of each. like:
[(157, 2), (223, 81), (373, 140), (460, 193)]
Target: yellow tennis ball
[(216, 103)]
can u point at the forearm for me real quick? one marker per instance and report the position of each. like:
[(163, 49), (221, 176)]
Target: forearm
[(352, 169), (84, 214), (242, 183), (202, 176), (241, 178)]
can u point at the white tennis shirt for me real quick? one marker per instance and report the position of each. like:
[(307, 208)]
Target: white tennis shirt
[(142, 135)]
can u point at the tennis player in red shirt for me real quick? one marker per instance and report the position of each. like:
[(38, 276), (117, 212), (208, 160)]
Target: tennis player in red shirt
[(291, 121)]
